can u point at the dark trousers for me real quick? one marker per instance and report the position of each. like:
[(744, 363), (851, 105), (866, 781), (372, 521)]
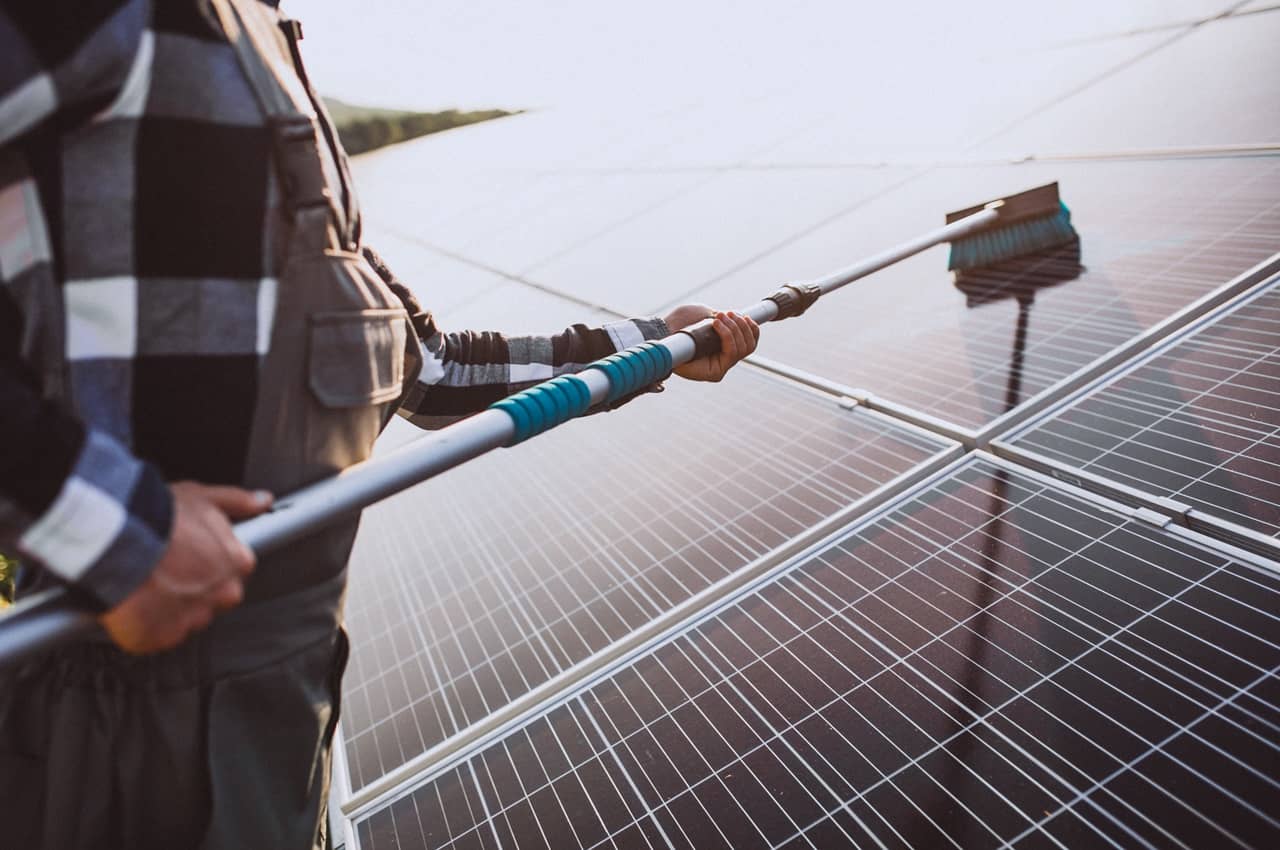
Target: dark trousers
[(222, 743)]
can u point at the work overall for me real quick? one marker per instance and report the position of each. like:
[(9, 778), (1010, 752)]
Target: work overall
[(225, 741)]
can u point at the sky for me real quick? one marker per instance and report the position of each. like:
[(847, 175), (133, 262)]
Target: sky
[(557, 53)]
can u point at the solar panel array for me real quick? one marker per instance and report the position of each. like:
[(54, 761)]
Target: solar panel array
[(611, 637), (994, 662), (505, 574), (1197, 422)]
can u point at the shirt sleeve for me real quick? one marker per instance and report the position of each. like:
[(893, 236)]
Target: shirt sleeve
[(65, 59), (73, 501), (466, 371), (80, 506)]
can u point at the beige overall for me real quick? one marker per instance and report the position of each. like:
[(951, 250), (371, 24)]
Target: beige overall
[(225, 741)]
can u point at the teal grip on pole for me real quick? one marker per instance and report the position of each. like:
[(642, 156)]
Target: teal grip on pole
[(545, 406), (635, 368)]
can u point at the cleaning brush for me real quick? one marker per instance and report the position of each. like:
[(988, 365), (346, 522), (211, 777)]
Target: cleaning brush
[(1029, 222), (983, 237)]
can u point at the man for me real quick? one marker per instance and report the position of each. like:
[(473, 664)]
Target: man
[(188, 324)]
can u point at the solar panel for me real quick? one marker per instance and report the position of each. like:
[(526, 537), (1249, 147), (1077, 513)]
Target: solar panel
[(1155, 236), (1197, 421), (998, 660), (1148, 104), (721, 222), (994, 661), (481, 586), (465, 294), (597, 180), (903, 115), (445, 283)]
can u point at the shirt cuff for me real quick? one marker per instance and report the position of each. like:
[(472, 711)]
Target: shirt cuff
[(108, 525), (628, 332)]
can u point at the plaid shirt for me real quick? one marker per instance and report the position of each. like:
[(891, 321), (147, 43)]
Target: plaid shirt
[(141, 233)]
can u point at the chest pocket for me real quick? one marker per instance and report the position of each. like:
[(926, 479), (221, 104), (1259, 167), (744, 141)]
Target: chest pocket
[(356, 357), (360, 351)]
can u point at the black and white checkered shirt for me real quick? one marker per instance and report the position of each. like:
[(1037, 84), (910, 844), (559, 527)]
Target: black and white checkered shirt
[(140, 239)]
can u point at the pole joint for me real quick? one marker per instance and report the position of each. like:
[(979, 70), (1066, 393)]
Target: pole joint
[(794, 298)]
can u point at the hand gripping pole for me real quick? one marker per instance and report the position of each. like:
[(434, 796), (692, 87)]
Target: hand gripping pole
[(44, 620)]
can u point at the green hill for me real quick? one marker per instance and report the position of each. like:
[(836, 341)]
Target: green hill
[(364, 128)]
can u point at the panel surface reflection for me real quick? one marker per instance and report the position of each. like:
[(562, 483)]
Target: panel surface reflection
[(487, 581), (1199, 423), (995, 662)]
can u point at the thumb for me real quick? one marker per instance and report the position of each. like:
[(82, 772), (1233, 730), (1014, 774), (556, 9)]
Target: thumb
[(237, 503)]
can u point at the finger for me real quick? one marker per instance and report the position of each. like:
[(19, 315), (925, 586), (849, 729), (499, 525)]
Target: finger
[(228, 595), (240, 556), (740, 346), (219, 554), (236, 502), (750, 334), (728, 344), (746, 342)]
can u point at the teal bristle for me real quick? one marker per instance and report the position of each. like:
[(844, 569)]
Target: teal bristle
[(1019, 239)]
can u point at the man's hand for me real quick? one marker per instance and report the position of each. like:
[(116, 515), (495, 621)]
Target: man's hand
[(202, 571), (738, 338)]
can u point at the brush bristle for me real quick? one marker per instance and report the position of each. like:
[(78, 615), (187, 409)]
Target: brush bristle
[(1019, 239)]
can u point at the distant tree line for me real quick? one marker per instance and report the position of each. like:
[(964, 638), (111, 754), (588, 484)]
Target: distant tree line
[(362, 134)]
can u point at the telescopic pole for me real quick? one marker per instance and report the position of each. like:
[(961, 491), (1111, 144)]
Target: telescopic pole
[(54, 616)]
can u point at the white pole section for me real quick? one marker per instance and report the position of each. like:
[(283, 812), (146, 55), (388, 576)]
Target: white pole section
[(44, 620)]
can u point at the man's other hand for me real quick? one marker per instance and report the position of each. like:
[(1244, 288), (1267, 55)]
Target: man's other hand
[(201, 573), (738, 337)]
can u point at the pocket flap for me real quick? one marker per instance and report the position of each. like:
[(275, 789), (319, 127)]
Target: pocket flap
[(357, 356)]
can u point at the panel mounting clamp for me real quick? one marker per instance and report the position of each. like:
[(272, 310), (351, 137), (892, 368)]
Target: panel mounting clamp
[(1177, 510), (1151, 517)]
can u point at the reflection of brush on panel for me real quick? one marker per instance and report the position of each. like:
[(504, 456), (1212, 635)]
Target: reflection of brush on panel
[(1019, 278), (1039, 250)]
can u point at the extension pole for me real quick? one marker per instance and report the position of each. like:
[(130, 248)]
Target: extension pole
[(46, 619)]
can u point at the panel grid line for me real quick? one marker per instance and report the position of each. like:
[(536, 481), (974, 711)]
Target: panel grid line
[(915, 668), (1198, 422), (536, 587)]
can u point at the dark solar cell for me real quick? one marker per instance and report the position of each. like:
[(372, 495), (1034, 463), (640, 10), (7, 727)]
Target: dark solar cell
[(496, 577), (995, 662), (1155, 236), (1199, 421)]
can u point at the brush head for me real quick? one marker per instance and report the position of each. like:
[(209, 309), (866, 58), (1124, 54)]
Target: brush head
[(1028, 222)]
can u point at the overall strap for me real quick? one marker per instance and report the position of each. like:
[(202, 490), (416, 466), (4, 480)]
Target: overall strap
[(289, 116)]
